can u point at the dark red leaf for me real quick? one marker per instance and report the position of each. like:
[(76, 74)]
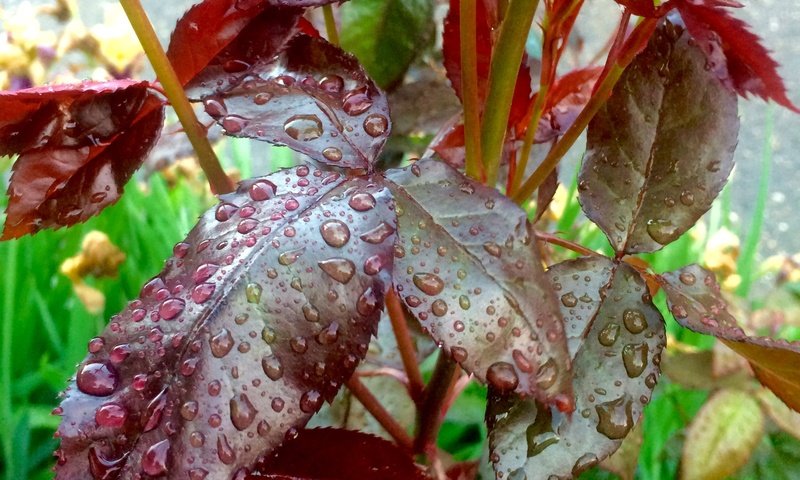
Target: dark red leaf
[(615, 336), (695, 301), (315, 98), (261, 314), (78, 146), (661, 148), (468, 269), (487, 25), (750, 67), (335, 454)]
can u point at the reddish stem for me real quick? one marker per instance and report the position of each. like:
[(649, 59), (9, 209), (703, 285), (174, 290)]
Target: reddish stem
[(562, 242), (408, 353), (374, 407), (435, 396)]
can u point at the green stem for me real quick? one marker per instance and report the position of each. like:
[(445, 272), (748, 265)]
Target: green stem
[(330, 24), (219, 181), (436, 394), (530, 134), (6, 414), (469, 90), (502, 80)]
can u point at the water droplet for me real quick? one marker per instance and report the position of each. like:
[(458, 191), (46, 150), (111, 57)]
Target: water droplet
[(329, 334), (339, 269), (277, 404), (215, 107), (569, 300), (375, 125), (224, 450), (634, 357), (214, 387), (310, 401), (615, 418), (290, 256), (429, 283), (679, 312), (547, 374), (585, 462), (204, 272), (262, 98), (272, 367), (356, 102), (634, 321), (100, 466), (303, 127), (171, 308), (332, 154), (97, 379), (154, 461), (111, 415), (233, 123), (662, 231), (189, 410), (492, 249), (378, 234), (502, 377), (96, 344), (262, 190), (608, 335), (439, 308), (522, 362), (221, 343), (687, 278), (361, 202), (197, 439), (242, 412), (253, 292), (298, 344), (202, 292), (687, 198), (332, 83), (463, 302), (335, 233), (459, 354), (367, 302)]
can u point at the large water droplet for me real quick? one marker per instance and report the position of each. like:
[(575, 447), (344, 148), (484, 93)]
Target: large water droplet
[(634, 357), (262, 190), (502, 377), (339, 269), (547, 374), (615, 418), (303, 127), (171, 308), (634, 321), (428, 283), (225, 453), (242, 412), (335, 233), (252, 292), (100, 466), (585, 462), (375, 125), (310, 401), (459, 354), (361, 202), (378, 234), (329, 334), (189, 410), (492, 249), (367, 303), (111, 415), (272, 367), (332, 83), (290, 256), (203, 292), (97, 379), (569, 300), (356, 102), (204, 272), (687, 278), (221, 343), (608, 335), (332, 154), (662, 231), (154, 461)]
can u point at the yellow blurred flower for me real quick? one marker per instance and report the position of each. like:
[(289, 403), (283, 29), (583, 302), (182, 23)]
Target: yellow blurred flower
[(115, 38), (98, 258), (720, 256)]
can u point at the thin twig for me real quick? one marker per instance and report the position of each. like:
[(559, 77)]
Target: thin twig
[(374, 407), (219, 181), (405, 345), (330, 24), (469, 90), (435, 396), (562, 242)]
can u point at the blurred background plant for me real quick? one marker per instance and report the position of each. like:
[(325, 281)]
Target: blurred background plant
[(709, 418)]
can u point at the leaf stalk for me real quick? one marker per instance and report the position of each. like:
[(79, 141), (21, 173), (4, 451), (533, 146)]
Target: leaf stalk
[(374, 407), (469, 89), (405, 345)]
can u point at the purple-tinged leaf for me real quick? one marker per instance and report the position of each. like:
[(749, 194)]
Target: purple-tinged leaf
[(467, 267), (78, 146), (261, 314), (335, 454), (315, 98), (695, 301), (660, 150), (616, 338)]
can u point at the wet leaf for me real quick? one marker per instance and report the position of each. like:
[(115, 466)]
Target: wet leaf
[(315, 98), (468, 269), (375, 30), (660, 150), (317, 453), (722, 436), (696, 303), (78, 146), (624, 461), (784, 417), (260, 315), (743, 62), (616, 366)]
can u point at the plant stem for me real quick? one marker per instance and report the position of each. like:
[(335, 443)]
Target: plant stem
[(405, 345), (530, 134), (219, 181), (469, 90), (636, 41), (330, 24), (502, 81), (374, 407), (563, 242), (436, 394)]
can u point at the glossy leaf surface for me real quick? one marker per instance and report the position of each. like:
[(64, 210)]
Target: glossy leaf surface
[(315, 98), (78, 146), (660, 150), (261, 314), (376, 30), (468, 269), (743, 62), (616, 338), (696, 303), (317, 454), (722, 436)]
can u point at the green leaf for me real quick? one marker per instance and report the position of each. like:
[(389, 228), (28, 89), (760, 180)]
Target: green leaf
[(660, 150), (616, 367), (386, 35), (723, 436)]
